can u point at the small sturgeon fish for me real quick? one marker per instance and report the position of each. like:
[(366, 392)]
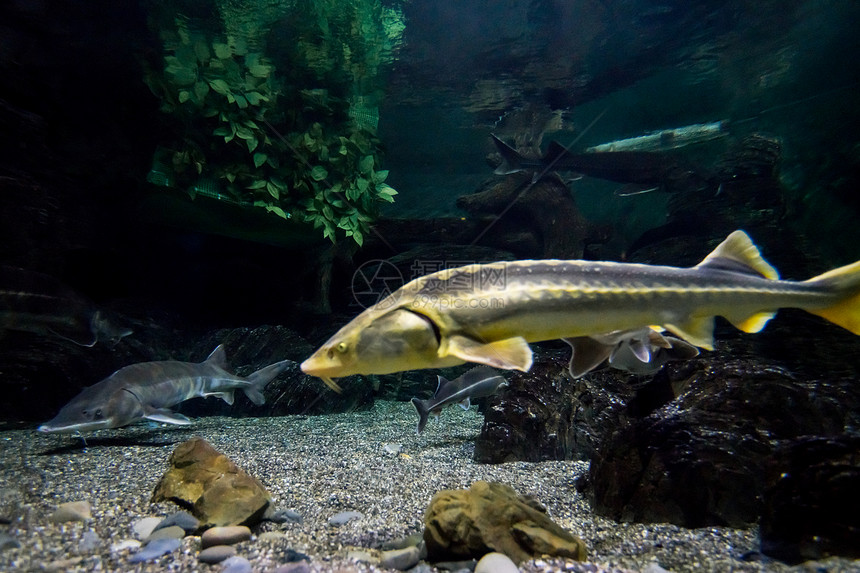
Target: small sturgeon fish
[(643, 351), (149, 389), (488, 313), (39, 303), (478, 382)]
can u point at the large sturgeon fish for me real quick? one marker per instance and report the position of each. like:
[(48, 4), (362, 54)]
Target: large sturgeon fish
[(488, 313)]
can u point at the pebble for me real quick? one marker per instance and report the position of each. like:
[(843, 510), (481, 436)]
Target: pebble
[(344, 517), (72, 511), (125, 544), (216, 553), (400, 559), (496, 563), (8, 542), (392, 449), (90, 540), (300, 567), (227, 535), (182, 519), (285, 515), (170, 532), (237, 564), (155, 550), (271, 536), (143, 528)]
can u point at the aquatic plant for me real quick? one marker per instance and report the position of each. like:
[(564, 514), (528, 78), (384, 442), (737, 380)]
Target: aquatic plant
[(257, 135)]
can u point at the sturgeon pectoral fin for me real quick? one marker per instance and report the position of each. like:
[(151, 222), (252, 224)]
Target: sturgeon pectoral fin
[(657, 340), (587, 354), (510, 353), (641, 351), (227, 396), (697, 331), (166, 416)]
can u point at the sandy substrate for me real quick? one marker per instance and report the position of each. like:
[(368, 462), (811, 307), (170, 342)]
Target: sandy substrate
[(318, 466)]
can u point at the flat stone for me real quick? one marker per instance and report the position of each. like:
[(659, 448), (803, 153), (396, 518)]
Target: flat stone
[(155, 550), (344, 517), (216, 554), (182, 519), (496, 563), (216, 489), (283, 516), (300, 567), (400, 559), (225, 535), (125, 544), (72, 511), (172, 532), (143, 528)]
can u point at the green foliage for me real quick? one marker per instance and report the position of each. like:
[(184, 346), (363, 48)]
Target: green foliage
[(271, 142)]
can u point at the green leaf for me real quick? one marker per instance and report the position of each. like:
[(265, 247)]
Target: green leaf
[(222, 131), (260, 70), (358, 237), (365, 165), (386, 193), (201, 90), (252, 144), (277, 211), (361, 183), (273, 190), (327, 212), (318, 173), (184, 95), (222, 51), (255, 98), (259, 159), (201, 49), (258, 184), (220, 86), (231, 177), (380, 176), (241, 101), (243, 132)]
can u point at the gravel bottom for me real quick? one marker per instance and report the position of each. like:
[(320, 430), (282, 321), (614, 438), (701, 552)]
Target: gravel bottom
[(319, 466)]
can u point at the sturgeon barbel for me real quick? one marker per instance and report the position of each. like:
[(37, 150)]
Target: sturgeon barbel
[(488, 313)]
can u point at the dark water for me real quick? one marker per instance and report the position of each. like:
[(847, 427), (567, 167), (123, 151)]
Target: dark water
[(168, 161)]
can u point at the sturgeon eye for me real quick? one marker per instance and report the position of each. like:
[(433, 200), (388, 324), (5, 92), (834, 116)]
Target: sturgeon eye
[(342, 347), (98, 415)]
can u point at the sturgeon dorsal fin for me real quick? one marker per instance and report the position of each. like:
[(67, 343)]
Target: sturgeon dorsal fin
[(440, 381), (738, 253), (218, 357)]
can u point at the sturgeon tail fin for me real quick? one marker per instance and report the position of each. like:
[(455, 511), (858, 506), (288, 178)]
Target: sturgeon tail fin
[(511, 159), (845, 283), (259, 379), (423, 413)]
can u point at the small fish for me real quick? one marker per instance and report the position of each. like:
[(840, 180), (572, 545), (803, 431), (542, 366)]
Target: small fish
[(638, 167), (488, 313), (149, 389), (666, 138), (39, 303), (642, 351), (476, 383)]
